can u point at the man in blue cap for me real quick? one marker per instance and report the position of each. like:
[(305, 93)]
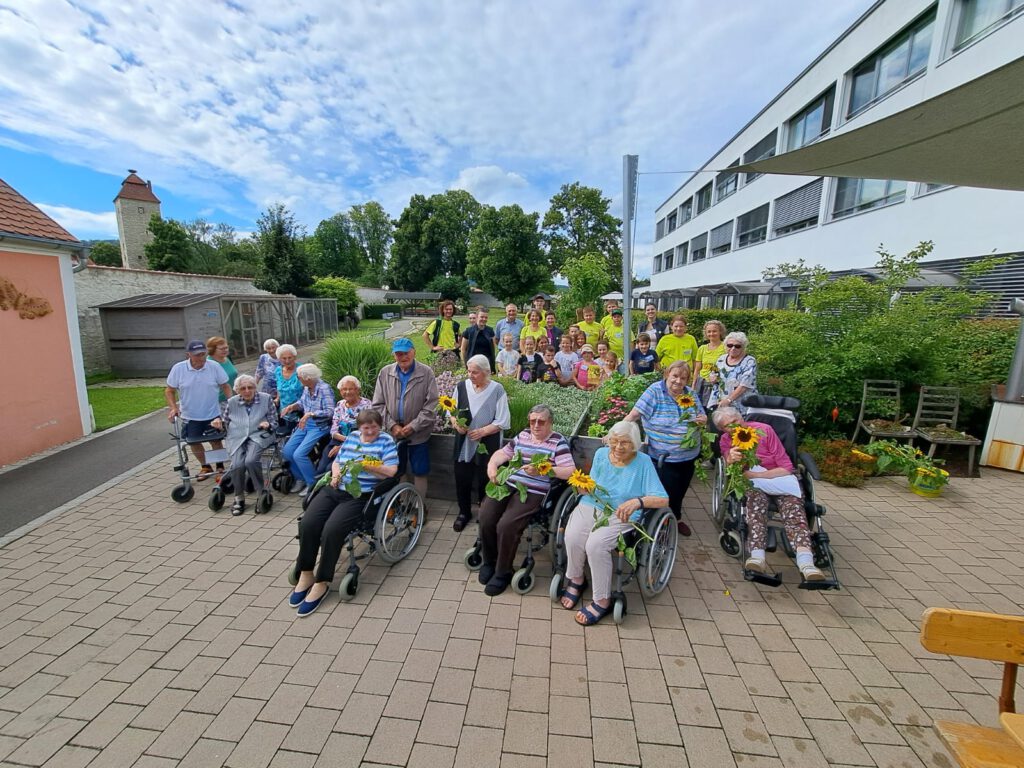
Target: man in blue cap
[(197, 382), (406, 396)]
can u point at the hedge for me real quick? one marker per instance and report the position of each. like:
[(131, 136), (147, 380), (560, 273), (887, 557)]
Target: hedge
[(377, 311), (749, 321)]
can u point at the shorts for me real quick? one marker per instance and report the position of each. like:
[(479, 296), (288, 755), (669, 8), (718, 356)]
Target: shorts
[(196, 431), (419, 459)]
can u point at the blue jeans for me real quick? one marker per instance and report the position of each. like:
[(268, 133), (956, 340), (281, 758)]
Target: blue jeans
[(297, 449)]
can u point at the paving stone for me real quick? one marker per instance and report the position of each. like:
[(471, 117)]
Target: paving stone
[(286, 704), (343, 750), (104, 727), (408, 700), (392, 743), (40, 747), (610, 700), (565, 751), (441, 724), (431, 756), (706, 746), (452, 686), (693, 706), (333, 691), (479, 747), (311, 731), (234, 720), (656, 724), (177, 739), (526, 733), (125, 749), (529, 694), (838, 742), (257, 747), (662, 756), (870, 724), (361, 714)]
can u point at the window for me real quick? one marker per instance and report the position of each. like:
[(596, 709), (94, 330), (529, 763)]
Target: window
[(671, 222), (752, 227), (721, 239), (142, 209), (798, 209), (927, 188), (668, 259), (856, 195), (699, 248), (686, 211), (659, 230), (903, 58), (978, 17), (704, 199), (657, 263), (726, 182), (763, 149), (813, 121), (681, 254)]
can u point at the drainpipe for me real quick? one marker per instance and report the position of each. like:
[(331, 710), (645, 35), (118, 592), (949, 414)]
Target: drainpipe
[(83, 260), (1015, 383)]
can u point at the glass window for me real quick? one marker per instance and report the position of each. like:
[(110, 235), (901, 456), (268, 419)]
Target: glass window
[(704, 199), (686, 211), (671, 221), (763, 149), (928, 188), (904, 57), (727, 182), (855, 195), (681, 254), (699, 248), (657, 263), (798, 209), (668, 259), (659, 230), (752, 227), (979, 16), (721, 239), (812, 122)]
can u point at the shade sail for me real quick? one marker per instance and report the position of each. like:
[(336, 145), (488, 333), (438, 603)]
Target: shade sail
[(971, 136)]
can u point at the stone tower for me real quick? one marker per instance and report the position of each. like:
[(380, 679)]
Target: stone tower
[(134, 205)]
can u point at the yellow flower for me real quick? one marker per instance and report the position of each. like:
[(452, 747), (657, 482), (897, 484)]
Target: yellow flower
[(685, 401), (744, 438), (447, 403), (582, 482), (371, 461), (862, 456), (544, 467)]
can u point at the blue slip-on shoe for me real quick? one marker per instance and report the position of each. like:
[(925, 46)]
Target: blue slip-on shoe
[(295, 598), (307, 606)]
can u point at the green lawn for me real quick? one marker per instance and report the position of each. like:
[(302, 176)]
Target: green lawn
[(115, 405)]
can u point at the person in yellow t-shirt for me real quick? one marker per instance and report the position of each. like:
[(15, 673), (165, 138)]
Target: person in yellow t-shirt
[(533, 329), (442, 335), (708, 354), (614, 334), (589, 328), (609, 306), (678, 345)]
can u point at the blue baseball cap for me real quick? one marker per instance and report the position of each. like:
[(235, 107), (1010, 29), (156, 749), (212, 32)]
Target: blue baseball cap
[(401, 345), (196, 346)]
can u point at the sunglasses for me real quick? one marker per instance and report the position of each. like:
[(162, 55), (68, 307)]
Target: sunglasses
[(734, 346), (538, 422)]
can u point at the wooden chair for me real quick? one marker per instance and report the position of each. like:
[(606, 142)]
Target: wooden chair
[(881, 398), (988, 636), (941, 406)]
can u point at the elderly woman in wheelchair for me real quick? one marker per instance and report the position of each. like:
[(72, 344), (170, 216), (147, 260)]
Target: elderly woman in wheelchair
[(775, 479), (625, 485)]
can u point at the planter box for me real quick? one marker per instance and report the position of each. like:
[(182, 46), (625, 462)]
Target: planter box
[(441, 480)]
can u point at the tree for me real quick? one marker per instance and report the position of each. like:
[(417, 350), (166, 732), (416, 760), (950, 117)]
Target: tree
[(578, 222), (206, 258), (453, 218), (171, 249), (333, 251), (432, 238), (344, 291), (373, 231), (412, 265), (455, 288), (283, 264), (106, 253), (589, 279), (505, 257)]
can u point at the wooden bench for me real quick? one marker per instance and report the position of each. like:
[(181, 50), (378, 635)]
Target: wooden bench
[(988, 636)]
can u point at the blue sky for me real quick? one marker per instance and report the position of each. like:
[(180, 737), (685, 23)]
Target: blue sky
[(227, 107)]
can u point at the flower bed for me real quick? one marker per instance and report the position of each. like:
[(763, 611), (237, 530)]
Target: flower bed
[(614, 399)]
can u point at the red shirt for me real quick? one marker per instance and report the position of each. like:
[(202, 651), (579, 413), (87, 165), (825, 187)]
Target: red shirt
[(771, 454)]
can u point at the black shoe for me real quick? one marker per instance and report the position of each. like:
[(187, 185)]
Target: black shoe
[(461, 522), (683, 528), (486, 573), (238, 507), (498, 584)]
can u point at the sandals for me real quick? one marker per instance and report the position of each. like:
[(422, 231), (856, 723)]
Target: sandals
[(593, 613), (577, 588), (205, 471), (238, 507)]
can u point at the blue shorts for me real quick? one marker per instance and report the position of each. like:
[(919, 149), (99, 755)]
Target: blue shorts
[(200, 431), (419, 459)]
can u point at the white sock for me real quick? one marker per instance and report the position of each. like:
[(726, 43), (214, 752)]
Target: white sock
[(803, 559), (757, 554)]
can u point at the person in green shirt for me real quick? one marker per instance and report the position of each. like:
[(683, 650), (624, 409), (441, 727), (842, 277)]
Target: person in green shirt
[(708, 354), (589, 328), (533, 329), (217, 349), (609, 306), (442, 335), (614, 334), (678, 345)]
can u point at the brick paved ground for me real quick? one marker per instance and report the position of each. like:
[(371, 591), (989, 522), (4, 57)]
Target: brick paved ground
[(134, 631)]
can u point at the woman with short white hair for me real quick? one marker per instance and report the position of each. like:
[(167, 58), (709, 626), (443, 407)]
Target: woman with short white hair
[(249, 418), (317, 406), (627, 482), (736, 374), (286, 382), (266, 368), (350, 404)]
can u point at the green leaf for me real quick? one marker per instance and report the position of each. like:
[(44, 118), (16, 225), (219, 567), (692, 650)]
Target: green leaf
[(481, 449), (497, 491), (352, 487), (630, 553), (522, 493), (620, 543)]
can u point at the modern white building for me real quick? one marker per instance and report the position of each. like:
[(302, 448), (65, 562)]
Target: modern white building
[(723, 227)]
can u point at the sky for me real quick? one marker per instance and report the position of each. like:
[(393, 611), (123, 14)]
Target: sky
[(228, 107)]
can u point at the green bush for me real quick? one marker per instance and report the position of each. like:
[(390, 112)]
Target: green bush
[(837, 462), (340, 289), (362, 358), (750, 321), (568, 404), (377, 311)]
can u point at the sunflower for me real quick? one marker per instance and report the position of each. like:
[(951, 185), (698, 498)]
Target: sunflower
[(544, 467), (744, 438), (685, 401), (582, 482), (447, 403), (865, 457), (371, 461)]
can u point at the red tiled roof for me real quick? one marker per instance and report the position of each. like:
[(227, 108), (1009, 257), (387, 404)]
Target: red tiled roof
[(134, 188), (19, 217)]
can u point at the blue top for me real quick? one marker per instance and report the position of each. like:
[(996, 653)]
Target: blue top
[(403, 379), (638, 478), (643, 363), (383, 448), (503, 326), (664, 422), (289, 390), (198, 389)]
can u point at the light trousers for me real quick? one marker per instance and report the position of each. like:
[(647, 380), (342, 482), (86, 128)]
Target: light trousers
[(583, 545)]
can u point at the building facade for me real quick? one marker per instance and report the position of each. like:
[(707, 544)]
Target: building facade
[(726, 227), (134, 205)]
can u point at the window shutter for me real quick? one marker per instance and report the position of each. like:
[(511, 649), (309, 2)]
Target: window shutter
[(721, 235), (798, 205), (700, 241)]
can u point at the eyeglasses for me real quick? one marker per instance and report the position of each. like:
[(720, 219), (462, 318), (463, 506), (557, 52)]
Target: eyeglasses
[(734, 346), (538, 422)]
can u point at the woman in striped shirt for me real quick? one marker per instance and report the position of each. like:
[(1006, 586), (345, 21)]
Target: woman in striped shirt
[(334, 514)]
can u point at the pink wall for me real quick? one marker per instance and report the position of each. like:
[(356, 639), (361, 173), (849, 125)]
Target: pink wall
[(38, 396)]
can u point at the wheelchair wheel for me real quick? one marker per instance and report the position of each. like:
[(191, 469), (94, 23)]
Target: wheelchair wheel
[(399, 522), (183, 493), (349, 586), (555, 588), (619, 610), (658, 557), (731, 543), (559, 519), (282, 482), (522, 581), (473, 559), (718, 505), (264, 502), (293, 574), (216, 501)]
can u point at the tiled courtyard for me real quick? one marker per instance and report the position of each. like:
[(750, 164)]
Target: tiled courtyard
[(135, 631)]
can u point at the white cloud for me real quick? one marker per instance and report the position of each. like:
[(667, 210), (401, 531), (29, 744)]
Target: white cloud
[(84, 225), (490, 184)]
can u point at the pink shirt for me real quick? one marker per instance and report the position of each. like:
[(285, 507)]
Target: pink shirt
[(771, 454)]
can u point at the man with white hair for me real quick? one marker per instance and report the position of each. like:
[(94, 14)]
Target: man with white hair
[(317, 405), (197, 383)]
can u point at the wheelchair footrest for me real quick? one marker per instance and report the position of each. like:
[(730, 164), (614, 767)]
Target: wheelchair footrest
[(816, 585), (773, 580)]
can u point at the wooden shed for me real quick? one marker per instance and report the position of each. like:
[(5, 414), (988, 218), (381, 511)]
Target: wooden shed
[(147, 334)]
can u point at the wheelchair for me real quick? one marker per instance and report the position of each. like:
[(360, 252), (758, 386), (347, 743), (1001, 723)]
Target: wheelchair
[(283, 480), (539, 534), (393, 519), (780, 414), (654, 559)]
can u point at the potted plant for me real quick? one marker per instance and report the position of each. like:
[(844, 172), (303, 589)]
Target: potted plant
[(922, 473)]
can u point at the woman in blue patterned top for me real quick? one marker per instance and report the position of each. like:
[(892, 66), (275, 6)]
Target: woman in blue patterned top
[(736, 374), (334, 514), (317, 406), (286, 379), (266, 368)]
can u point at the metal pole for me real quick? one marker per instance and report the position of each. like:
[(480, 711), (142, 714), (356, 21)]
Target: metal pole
[(629, 177), (1015, 380)]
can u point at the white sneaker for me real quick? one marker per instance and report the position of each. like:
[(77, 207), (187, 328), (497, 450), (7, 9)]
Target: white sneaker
[(304, 492), (756, 564), (812, 573), (299, 487)]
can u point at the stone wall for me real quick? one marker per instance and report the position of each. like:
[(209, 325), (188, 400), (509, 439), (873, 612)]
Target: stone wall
[(133, 230), (99, 285)]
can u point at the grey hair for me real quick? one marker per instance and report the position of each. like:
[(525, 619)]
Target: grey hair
[(626, 429), (286, 348), (309, 371), (480, 361), (726, 415), (738, 336), (270, 343), (244, 378), (351, 379), (544, 409), (678, 364)]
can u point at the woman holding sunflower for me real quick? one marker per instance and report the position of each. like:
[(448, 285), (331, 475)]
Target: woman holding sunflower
[(543, 455), (672, 417), (770, 473)]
